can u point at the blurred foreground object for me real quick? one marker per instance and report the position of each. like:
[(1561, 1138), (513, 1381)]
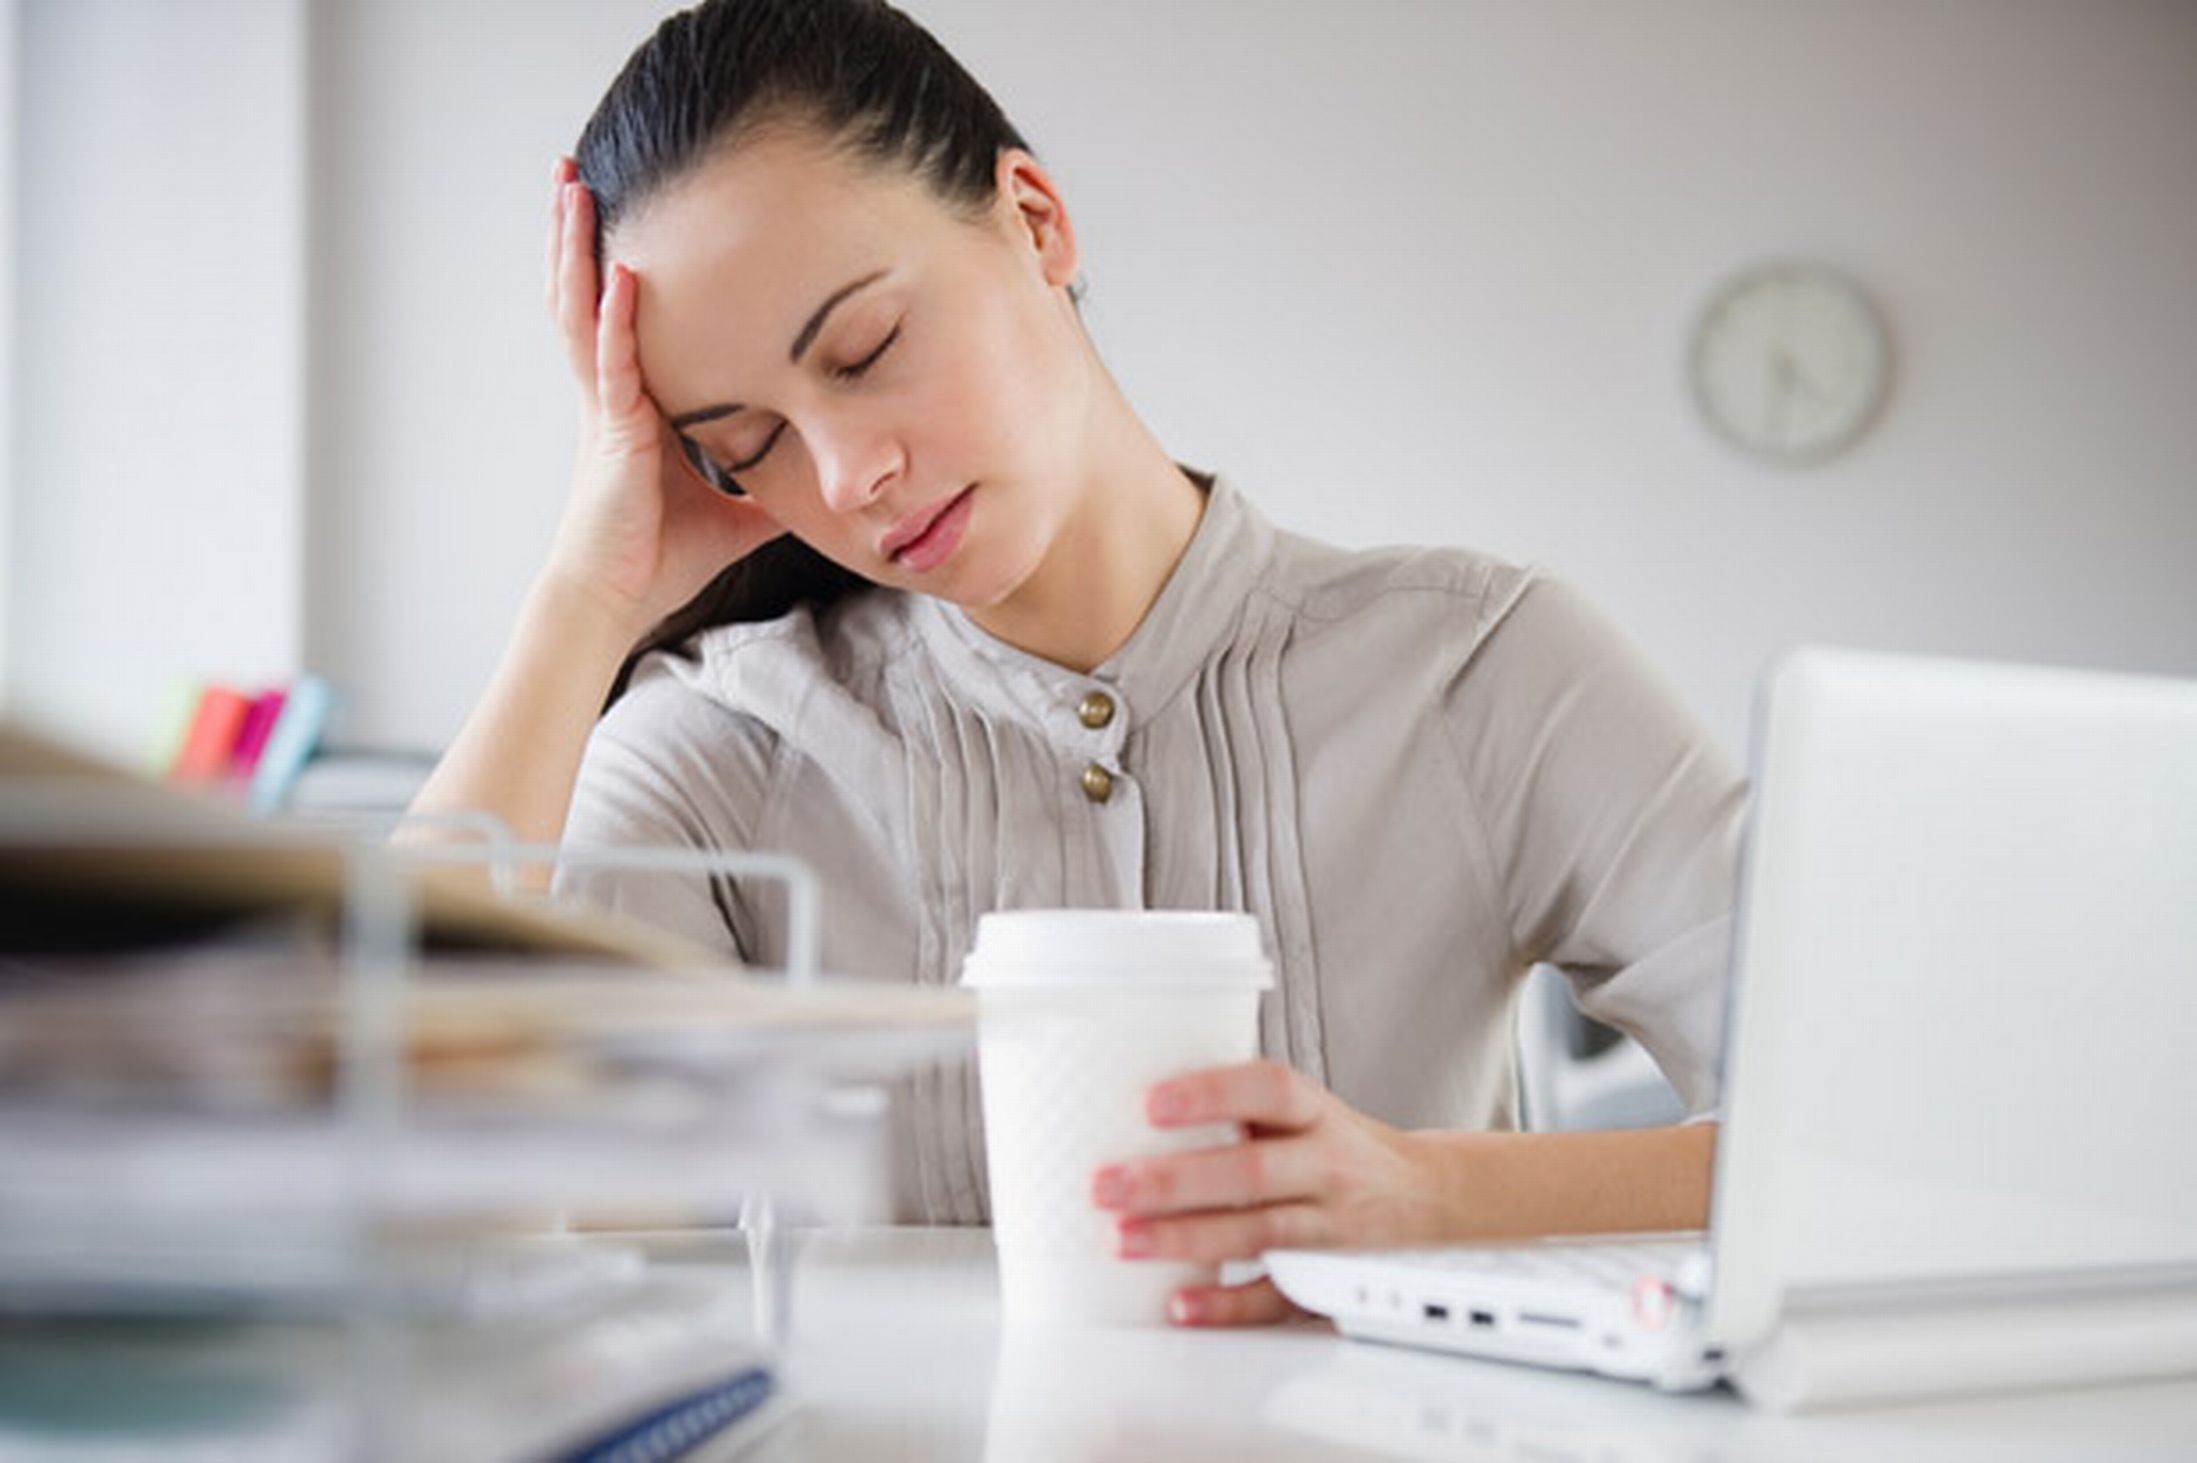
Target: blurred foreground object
[(281, 1101)]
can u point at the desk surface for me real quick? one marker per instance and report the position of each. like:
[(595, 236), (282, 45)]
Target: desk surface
[(896, 1352)]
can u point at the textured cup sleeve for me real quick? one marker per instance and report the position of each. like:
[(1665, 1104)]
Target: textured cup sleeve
[(1614, 819)]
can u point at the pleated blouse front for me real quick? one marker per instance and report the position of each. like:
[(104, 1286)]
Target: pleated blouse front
[(1423, 771)]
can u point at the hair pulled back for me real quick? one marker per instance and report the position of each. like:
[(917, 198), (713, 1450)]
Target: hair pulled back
[(866, 77)]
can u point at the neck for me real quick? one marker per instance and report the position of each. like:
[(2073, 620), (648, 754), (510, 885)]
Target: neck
[(1127, 525)]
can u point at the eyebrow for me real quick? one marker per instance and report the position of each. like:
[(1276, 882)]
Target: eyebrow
[(801, 343)]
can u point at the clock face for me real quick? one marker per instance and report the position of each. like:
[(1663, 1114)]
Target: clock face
[(1789, 362)]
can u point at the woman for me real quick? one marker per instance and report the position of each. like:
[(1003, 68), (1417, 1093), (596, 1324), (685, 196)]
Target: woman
[(940, 616)]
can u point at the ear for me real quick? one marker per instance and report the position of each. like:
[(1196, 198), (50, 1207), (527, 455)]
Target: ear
[(1034, 211)]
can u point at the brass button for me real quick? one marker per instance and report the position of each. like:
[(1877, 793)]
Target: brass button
[(1098, 783), (1096, 709)]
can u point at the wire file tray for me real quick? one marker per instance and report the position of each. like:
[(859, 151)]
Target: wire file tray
[(307, 1149)]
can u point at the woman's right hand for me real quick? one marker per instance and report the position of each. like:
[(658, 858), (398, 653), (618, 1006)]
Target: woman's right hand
[(642, 533)]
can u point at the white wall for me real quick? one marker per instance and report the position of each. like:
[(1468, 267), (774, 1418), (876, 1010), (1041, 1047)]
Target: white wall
[(443, 423), (10, 130), (1409, 271), (160, 281), (1423, 272)]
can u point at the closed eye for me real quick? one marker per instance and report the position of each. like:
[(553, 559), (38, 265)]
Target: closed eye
[(707, 468), (761, 452), (849, 373), (839, 373)]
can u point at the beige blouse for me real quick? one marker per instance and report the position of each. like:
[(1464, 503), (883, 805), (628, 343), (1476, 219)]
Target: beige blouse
[(1423, 770)]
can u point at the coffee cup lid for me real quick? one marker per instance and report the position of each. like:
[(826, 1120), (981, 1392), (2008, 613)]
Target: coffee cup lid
[(1170, 947)]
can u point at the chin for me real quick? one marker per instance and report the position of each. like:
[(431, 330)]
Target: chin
[(993, 578), (974, 593)]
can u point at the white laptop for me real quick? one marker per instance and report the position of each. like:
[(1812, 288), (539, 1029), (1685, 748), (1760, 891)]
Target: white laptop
[(1959, 1142)]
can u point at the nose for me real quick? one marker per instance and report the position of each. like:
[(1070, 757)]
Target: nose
[(854, 464)]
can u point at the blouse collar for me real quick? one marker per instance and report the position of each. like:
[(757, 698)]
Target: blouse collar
[(1198, 608)]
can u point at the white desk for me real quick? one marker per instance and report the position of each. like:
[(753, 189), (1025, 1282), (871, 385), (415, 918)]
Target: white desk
[(897, 1353)]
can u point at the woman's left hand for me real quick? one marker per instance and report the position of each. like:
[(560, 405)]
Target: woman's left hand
[(1311, 1172)]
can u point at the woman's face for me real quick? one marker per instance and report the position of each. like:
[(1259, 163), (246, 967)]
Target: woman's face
[(867, 364)]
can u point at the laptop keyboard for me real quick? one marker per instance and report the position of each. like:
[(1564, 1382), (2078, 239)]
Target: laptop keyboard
[(1614, 1266)]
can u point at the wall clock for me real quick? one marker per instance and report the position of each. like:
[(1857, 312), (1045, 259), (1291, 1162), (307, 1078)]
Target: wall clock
[(1789, 362)]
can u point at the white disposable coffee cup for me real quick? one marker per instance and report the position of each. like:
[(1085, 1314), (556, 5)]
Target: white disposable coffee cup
[(1079, 1013)]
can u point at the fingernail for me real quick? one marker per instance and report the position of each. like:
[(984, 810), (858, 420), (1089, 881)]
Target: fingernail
[(1181, 1309), (1165, 1103), (1135, 1243), (1111, 1188)]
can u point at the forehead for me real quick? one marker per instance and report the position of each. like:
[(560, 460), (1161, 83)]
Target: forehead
[(734, 257)]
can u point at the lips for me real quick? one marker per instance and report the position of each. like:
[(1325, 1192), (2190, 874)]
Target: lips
[(912, 528)]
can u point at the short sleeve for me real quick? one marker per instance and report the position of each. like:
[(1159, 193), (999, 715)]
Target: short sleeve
[(667, 767), (1614, 820)]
